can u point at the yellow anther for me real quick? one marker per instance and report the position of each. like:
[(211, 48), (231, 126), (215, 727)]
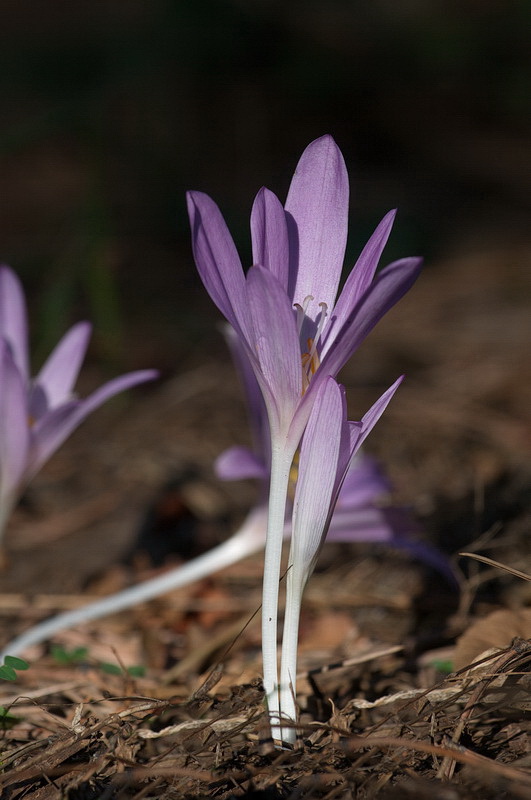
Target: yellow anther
[(310, 363)]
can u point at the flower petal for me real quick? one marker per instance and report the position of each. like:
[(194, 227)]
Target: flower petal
[(366, 523), (364, 483), (392, 526), (317, 477), (269, 233), (317, 206), (216, 258), (14, 425), (276, 345), (55, 382), (256, 409), (238, 463), (359, 279), (50, 431), (392, 283), (13, 318), (374, 413)]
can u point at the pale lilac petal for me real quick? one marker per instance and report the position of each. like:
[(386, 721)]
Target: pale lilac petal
[(276, 343), (366, 523), (391, 526), (359, 279), (256, 409), (317, 207), (13, 318), (269, 235), (372, 416), (392, 283), (238, 463), (50, 431), (364, 483), (317, 477), (55, 382), (216, 258), (14, 423), (353, 436)]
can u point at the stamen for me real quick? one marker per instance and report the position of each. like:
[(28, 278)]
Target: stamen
[(293, 475), (301, 311), (313, 346), (310, 360)]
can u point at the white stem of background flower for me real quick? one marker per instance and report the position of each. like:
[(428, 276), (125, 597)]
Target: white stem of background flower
[(247, 540)]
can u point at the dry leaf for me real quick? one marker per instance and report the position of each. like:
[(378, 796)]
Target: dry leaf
[(496, 630)]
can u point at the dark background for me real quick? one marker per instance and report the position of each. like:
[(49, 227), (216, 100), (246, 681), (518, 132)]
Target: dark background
[(111, 110)]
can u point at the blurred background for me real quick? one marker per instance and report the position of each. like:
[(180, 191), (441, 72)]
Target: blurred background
[(112, 109)]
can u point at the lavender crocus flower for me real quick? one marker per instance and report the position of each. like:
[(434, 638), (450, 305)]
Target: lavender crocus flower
[(285, 309), (295, 332), (37, 415)]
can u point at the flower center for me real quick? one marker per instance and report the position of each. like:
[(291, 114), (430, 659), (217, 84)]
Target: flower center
[(310, 358), (310, 362)]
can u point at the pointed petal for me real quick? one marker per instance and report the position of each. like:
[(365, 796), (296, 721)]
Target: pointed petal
[(392, 283), (256, 409), (318, 464), (13, 318), (55, 382), (14, 427), (50, 431), (269, 233), (238, 463), (359, 279), (317, 207), (372, 416), (276, 344), (354, 434), (216, 258)]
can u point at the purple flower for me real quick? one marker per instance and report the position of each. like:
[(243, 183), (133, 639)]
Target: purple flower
[(37, 415), (295, 331)]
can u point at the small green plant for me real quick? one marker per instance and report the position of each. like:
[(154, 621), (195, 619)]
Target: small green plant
[(78, 655), (64, 656), (9, 667), (443, 666), (7, 720), (137, 671)]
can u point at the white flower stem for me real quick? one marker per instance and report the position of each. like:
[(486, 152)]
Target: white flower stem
[(280, 469), (248, 539), (295, 583)]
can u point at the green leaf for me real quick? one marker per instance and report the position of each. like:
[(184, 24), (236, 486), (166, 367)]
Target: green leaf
[(16, 663), (444, 666), (7, 673), (110, 669), (74, 656), (7, 720), (137, 671)]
